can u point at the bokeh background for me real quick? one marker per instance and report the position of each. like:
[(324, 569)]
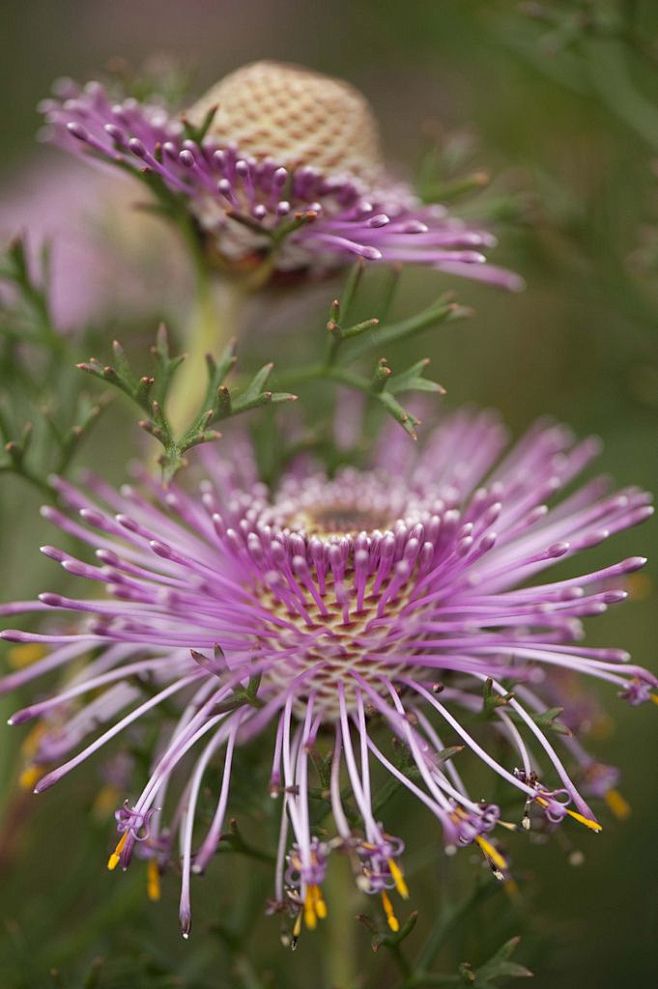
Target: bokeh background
[(564, 117)]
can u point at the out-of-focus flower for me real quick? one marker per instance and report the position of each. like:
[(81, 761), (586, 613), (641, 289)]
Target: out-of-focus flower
[(280, 168), (407, 599), (96, 240)]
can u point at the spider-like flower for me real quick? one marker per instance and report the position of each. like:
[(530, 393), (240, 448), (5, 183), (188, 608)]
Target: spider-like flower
[(406, 601), (280, 169)]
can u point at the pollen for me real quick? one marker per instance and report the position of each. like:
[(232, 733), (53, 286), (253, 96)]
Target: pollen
[(152, 881), (105, 802), (32, 740), (398, 879), (618, 804), (391, 919), (310, 915), (296, 931), (497, 861), (587, 821), (315, 907), (114, 858), (30, 777), (24, 655), (512, 890), (320, 905)]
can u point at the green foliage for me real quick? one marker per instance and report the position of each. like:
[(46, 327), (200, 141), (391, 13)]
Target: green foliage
[(150, 394), (44, 417)]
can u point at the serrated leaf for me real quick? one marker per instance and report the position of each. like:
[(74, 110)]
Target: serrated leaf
[(492, 700), (197, 132), (255, 387), (444, 755), (358, 328), (499, 966), (550, 718), (440, 312), (381, 377), (351, 287), (401, 415), (412, 380), (123, 367)]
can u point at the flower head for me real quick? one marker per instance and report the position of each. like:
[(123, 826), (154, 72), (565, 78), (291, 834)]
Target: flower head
[(280, 169), (406, 601)]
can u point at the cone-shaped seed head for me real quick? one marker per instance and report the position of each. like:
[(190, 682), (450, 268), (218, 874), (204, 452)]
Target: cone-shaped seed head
[(294, 115)]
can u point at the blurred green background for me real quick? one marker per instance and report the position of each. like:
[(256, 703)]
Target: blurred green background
[(564, 116)]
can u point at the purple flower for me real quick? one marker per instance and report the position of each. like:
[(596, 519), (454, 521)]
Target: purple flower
[(96, 240), (281, 171), (407, 601)]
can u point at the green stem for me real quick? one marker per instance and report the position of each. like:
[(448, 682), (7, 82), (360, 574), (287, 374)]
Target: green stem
[(341, 958), (611, 78), (246, 973), (426, 980), (320, 372), (214, 322), (451, 917), (38, 482)]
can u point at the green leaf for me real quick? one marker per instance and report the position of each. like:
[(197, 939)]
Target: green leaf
[(500, 967), (197, 132), (550, 718), (492, 700), (412, 380), (442, 311)]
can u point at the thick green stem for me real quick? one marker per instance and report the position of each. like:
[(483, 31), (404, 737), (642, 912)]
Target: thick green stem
[(214, 321), (341, 960)]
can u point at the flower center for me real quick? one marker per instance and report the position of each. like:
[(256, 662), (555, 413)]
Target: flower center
[(338, 571), (340, 519), (336, 642)]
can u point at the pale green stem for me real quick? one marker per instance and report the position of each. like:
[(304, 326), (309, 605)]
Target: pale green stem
[(214, 322), (341, 960)]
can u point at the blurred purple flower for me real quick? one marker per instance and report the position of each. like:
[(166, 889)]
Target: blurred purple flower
[(96, 241), (276, 164), (408, 597)]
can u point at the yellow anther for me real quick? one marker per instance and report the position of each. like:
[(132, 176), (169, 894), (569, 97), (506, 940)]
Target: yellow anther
[(492, 854), (105, 802), (113, 860), (320, 905), (602, 727), (25, 655), (152, 881), (297, 929), (32, 740), (640, 586), (587, 821), (618, 804), (29, 777), (310, 916), (512, 890), (398, 879), (654, 698), (392, 920)]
